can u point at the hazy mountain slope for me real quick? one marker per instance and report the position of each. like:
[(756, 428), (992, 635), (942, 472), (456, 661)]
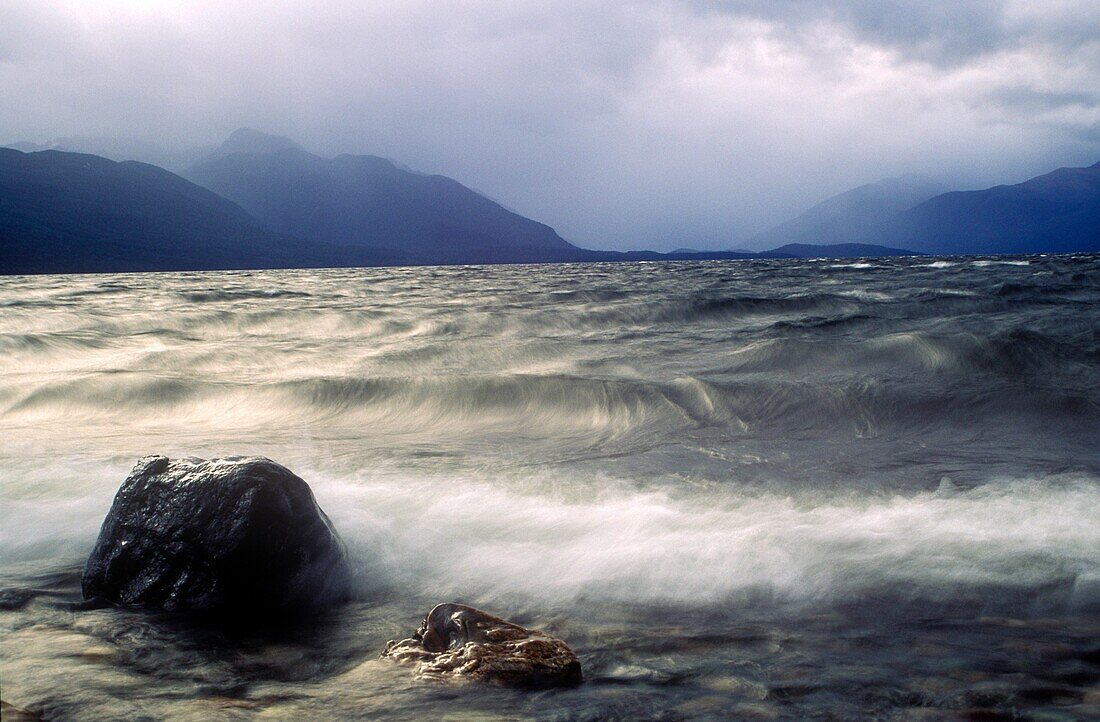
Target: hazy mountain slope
[(1056, 212), (71, 212), (249, 140), (143, 150), (855, 216), (369, 202)]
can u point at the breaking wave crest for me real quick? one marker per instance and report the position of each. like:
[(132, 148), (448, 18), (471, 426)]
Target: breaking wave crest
[(906, 377), (461, 538)]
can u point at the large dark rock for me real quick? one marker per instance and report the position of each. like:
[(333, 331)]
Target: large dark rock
[(456, 642), (242, 536)]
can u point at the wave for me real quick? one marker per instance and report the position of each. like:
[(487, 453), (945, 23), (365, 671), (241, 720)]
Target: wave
[(551, 538), (49, 342), (963, 359), (684, 312), (988, 262), (822, 322), (466, 371), (240, 294), (463, 538), (689, 434), (552, 406), (958, 382)]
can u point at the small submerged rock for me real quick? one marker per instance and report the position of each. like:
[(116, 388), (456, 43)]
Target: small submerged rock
[(456, 642), (239, 535)]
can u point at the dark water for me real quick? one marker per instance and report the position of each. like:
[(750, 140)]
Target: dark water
[(795, 489)]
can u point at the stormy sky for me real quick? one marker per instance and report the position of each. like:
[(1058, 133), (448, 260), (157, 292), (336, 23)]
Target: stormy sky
[(640, 124)]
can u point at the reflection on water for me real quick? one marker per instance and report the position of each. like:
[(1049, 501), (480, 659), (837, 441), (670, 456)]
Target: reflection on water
[(747, 489)]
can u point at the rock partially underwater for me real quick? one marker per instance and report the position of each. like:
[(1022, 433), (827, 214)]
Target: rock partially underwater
[(239, 535), (456, 642)]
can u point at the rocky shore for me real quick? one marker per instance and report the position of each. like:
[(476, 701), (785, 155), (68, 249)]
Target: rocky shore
[(244, 536)]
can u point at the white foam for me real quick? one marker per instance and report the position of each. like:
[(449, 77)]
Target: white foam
[(560, 539), (464, 537)]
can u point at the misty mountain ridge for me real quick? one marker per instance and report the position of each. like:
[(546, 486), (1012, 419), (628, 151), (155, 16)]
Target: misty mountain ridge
[(1052, 213), (116, 149), (1036, 215), (77, 213), (364, 201), (66, 212), (261, 200), (251, 141), (857, 215)]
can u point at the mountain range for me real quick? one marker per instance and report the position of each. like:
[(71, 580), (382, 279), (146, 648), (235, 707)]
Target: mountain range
[(262, 201), (71, 212), (363, 201), (854, 216), (1053, 213), (76, 213)]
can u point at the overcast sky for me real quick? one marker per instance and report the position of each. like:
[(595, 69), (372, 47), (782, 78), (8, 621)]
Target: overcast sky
[(622, 124)]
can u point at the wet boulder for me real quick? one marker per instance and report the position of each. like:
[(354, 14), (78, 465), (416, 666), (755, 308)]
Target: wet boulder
[(456, 642), (240, 535)]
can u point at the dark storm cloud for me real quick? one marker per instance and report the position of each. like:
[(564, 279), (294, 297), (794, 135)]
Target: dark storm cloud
[(1032, 100), (946, 33), (653, 123)]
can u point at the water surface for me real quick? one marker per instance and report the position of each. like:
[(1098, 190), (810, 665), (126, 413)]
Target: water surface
[(802, 489)]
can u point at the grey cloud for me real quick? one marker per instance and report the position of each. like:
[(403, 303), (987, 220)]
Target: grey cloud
[(945, 33), (652, 123), (1033, 100)]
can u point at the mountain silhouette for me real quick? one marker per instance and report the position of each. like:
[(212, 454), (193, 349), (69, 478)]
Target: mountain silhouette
[(77, 213), (1052, 213), (367, 202), (856, 216)]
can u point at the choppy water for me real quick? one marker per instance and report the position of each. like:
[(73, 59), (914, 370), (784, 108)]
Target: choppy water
[(750, 489)]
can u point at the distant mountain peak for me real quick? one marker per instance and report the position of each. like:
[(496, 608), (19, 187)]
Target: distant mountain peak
[(854, 216), (369, 204), (250, 140), (899, 190)]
